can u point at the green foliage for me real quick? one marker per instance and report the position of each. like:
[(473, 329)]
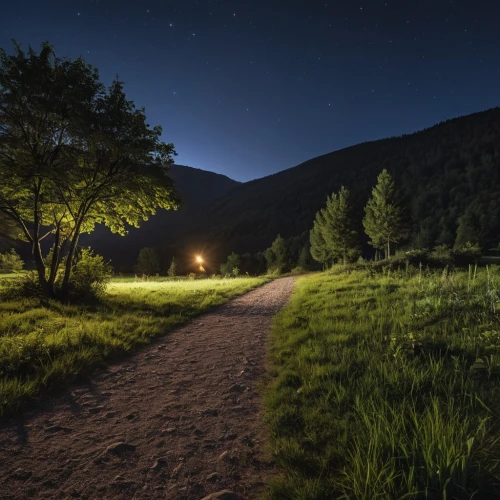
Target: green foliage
[(277, 256), (385, 386), (333, 235), (467, 254), (442, 255), (384, 222), (9, 232), (231, 267), (439, 172), (10, 262), (45, 344), (304, 259), (96, 159), (148, 262), (91, 275), (172, 270)]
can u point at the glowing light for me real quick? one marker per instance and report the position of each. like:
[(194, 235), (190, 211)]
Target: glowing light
[(199, 259)]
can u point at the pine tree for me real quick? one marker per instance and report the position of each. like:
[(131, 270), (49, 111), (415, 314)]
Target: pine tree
[(339, 231), (384, 222), (333, 235), (277, 255), (172, 270), (319, 249)]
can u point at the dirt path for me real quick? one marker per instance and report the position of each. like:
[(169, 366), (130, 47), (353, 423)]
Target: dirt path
[(185, 410)]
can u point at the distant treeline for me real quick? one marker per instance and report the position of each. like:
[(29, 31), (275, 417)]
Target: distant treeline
[(448, 177)]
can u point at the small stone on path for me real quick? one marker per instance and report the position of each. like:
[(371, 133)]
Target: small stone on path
[(120, 448)]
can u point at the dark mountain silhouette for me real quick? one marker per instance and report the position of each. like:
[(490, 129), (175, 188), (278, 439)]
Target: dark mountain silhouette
[(449, 177), (197, 187)]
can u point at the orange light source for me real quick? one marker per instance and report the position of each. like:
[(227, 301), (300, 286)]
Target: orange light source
[(199, 259)]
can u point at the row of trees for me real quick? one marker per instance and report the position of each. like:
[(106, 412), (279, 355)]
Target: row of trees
[(73, 154), (283, 255), (333, 236), (150, 264)]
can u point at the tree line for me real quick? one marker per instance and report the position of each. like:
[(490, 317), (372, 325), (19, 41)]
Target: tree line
[(333, 236)]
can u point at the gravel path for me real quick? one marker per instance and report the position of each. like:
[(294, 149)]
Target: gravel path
[(179, 420)]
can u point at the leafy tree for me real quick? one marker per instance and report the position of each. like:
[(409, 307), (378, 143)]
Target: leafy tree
[(8, 232), (148, 261), (10, 262), (277, 255), (232, 265), (384, 222), (73, 154), (172, 270)]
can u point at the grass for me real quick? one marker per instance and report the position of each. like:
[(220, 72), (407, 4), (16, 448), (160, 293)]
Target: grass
[(43, 345), (387, 386)]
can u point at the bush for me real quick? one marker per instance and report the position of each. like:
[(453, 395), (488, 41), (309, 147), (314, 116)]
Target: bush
[(90, 275), (172, 270), (10, 262), (24, 287), (231, 268), (466, 254), (442, 255)]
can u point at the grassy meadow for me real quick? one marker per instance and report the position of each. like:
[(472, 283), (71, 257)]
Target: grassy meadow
[(43, 344), (386, 385)]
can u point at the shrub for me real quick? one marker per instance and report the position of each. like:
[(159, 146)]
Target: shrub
[(172, 270), (466, 254), (442, 255), (26, 286), (10, 262), (231, 268), (90, 275)]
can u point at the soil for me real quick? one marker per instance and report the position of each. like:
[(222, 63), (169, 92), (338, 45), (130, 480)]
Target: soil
[(181, 419)]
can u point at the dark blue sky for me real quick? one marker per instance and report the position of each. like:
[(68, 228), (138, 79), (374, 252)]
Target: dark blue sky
[(248, 88)]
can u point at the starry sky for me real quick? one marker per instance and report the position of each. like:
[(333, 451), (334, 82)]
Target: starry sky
[(249, 88)]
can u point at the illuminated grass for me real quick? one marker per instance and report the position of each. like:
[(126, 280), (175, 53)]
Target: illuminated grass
[(43, 345), (377, 391)]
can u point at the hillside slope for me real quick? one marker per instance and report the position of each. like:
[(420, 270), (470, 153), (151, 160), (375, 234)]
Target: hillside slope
[(449, 176), (197, 188)]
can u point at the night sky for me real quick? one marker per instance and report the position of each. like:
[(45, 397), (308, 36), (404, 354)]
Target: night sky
[(248, 88)]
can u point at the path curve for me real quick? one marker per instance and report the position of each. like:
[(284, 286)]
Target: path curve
[(186, 410)]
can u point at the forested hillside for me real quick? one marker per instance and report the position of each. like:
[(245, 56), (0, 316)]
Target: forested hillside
[(449, 176)]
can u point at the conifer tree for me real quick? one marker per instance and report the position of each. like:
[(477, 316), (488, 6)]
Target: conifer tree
[(172, 270), (333, 234), (277, 255), (384, 222), (339, 231)]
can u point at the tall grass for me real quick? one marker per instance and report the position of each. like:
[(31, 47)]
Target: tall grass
[(45, 344), (386, 386)]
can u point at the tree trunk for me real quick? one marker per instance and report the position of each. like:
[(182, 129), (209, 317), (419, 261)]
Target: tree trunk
[(345, 257), (55, 260), (40, 267), (388, 254), (69, 260), (36, 250)]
